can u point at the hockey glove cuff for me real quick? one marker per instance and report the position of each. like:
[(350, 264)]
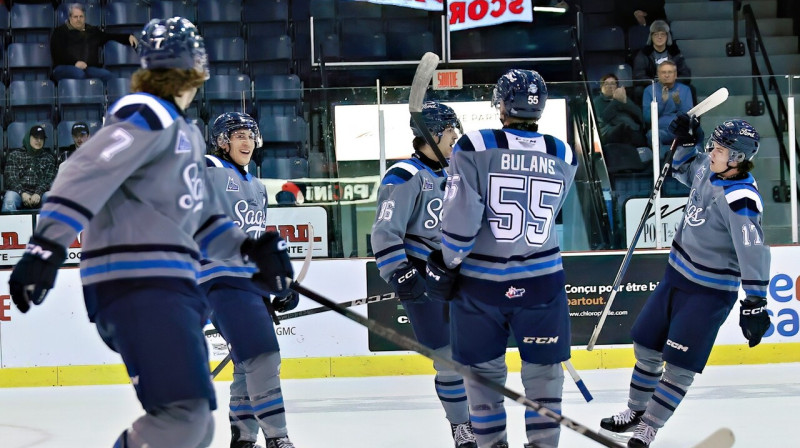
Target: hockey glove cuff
[(408, 284), (286, 303), (35, 274), (686, 129), (269, 253), (440, 279), (753, 319)]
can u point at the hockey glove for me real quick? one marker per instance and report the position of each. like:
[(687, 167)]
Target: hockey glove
[(753, 318), (686, 129), (408, 284), (440, 279), (275, 271), (286, 303), (35, 274)]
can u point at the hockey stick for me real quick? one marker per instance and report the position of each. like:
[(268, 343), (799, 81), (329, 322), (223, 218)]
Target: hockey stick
[(578, 381), (714, 100), (411, 344), (422, 77), (300, 276), (721, 438)]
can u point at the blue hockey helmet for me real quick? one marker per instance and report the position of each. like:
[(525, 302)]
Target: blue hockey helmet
[(438, 117), (172, 43), (229, 122), (739, 136), (523, 92)]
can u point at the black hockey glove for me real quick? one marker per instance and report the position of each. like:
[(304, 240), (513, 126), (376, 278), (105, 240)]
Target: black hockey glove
[(440, 279), (275, 271), (408, 284), (286, 303), (753, 318), (35, 274), (686, 129)]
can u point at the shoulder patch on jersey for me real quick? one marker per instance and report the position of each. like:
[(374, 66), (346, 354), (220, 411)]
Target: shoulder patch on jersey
[(213, 161), (183, 145), (744, 199), (464, 144), (232, 185), (399, 173), (145, 111)]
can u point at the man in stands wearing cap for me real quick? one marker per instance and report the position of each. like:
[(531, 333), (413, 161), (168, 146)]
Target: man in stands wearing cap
[(30, 171), (659, 48), (80, 133)]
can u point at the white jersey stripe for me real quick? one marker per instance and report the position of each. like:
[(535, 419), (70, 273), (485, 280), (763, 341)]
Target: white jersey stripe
[(741, 193), (157, 108)]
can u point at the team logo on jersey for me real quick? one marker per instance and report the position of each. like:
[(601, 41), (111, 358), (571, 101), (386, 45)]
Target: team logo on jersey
[(701, 172), (249, 219), (427, 185), (192, 177), (693, 216), (232, 185), (183, 145), (515, 293)]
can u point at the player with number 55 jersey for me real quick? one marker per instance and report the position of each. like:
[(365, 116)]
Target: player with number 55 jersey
[(500, 263)]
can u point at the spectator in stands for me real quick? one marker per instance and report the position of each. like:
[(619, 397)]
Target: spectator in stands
[(659, 48), (30, 171), (673, 98), (639, 12), (80, 133), (619, 119), (75, 47)]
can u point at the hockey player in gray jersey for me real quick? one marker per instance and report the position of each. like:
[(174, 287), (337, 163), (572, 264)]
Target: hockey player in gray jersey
[(718, 249), (138, 192), (238, 305), (406, 230), (500, 262)]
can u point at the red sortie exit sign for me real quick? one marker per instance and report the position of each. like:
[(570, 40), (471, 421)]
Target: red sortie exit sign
[(447, 79)]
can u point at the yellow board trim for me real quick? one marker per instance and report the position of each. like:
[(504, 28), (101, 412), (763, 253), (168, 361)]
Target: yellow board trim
[(387, 365)]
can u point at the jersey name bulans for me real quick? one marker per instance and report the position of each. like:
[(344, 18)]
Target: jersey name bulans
[(525, 162)]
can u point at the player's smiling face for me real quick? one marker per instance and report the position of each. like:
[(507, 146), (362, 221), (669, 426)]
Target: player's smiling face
[(241, 146), (447, 140)]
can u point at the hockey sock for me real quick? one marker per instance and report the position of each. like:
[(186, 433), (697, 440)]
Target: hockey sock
[(487, 413), (240, 412), (450, 390), (646, 374), (543, 384), (264, 388), (668, 395)]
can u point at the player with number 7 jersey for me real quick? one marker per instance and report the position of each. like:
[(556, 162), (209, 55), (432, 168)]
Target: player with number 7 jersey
[(501, 250)]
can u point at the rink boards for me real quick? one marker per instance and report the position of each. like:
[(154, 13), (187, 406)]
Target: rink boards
[(55, 344)]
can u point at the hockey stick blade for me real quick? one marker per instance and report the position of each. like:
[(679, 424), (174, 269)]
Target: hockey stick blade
[(578, 381), (721, 438), (410, 344), (422, 77), (712, 101)]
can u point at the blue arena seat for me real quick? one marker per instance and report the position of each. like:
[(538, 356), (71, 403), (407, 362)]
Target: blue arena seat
[(604, 39), (17, 130), (283, 130), (406, 46), (356, 46), (172, 8), (322, 9), (270, 55), (31, 100), (277, 95), (358, 10), (284, 168), (220, 18), (265, 11), (64, 131), (117, 88), (550, 41), (511, 41), (126, 17), (637, 37), (225, 93), (466, 44), (28, 61), (32, 22), (121, 60), (81, 99), (226, 55)]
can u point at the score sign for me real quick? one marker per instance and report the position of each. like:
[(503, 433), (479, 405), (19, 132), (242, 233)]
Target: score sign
[(448, 79)]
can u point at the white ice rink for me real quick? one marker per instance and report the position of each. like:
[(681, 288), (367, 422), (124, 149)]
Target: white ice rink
[(759, 403)]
